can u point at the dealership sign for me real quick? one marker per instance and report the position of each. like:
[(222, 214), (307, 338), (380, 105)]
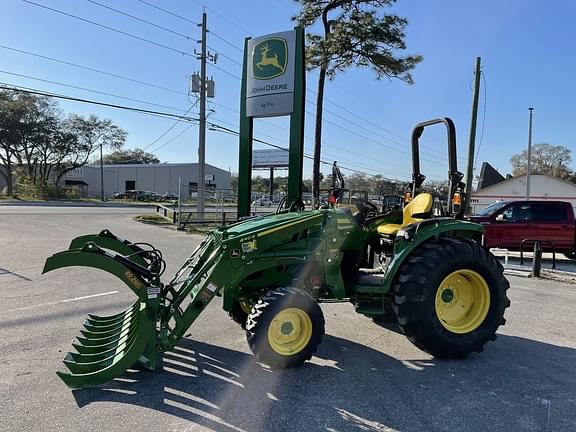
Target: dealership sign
[(270, 75), (272, 158)]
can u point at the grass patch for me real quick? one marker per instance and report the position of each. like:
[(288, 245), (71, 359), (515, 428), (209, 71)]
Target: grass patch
[(200, 229), (153, 218)]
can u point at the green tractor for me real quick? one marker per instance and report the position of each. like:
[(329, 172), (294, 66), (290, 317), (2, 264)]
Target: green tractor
[(446, 292)]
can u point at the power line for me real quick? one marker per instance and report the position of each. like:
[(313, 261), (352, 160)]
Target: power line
[(169, 129), (235, 24), (225, 56), (93, 70), (226, 41), (225, 71), (110, 28), (28, 90), (280, 147), (309, 138), (376, 125), (141, 20), (9, 87), (174, 138), (437, 162), (162, 45), (90, 90), (168, 12)]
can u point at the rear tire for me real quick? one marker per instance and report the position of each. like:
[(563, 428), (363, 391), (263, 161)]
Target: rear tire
[(450, 297), (285, 327)]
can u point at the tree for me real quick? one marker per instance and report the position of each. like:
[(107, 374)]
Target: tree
[(93, 133), (355, 33), (234, 183), (136, 156), (26, 124), (8, 138), (545, 159)]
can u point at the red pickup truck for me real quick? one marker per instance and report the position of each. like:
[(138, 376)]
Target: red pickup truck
[(507, 223)]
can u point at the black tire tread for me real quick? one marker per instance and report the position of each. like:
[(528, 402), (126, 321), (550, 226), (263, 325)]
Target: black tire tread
[(265, 309), (412, 295)]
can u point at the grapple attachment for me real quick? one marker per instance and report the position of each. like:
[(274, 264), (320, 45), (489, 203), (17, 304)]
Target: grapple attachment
[(108, 345)]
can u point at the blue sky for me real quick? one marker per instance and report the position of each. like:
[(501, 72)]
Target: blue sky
[(526, 46)]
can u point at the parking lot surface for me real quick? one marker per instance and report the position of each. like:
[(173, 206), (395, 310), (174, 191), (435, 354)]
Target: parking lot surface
[(364, 378)]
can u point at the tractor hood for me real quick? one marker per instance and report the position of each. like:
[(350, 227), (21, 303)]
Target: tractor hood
[(272, 221)]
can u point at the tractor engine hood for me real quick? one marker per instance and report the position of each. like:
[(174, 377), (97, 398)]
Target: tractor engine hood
[(273, 222)]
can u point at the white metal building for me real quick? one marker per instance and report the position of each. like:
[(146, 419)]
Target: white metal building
[(542, 187), (159, 178)]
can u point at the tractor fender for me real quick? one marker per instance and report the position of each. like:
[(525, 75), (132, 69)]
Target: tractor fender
[(412, 236)]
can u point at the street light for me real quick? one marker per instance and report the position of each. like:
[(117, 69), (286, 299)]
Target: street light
[(529, 162), (101, 175)]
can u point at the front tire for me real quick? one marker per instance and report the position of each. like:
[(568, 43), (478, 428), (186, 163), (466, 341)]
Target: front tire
[(285, 327), (239, 313), (450, 297)]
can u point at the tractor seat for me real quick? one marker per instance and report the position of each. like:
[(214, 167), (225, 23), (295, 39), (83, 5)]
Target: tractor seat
[(418, 209)]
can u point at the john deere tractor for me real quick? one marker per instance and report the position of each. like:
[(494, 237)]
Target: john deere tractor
[(444, 289)]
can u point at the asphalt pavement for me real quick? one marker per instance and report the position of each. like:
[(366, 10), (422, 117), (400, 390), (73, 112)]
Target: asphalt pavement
[(364, 378)]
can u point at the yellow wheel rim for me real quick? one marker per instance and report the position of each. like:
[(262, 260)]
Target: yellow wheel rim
[(290, 331), (462, 301)]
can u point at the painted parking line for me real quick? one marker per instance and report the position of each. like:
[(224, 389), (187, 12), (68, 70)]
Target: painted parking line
[(63, 301)]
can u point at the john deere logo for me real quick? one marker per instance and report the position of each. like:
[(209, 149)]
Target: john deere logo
[(269, 58)]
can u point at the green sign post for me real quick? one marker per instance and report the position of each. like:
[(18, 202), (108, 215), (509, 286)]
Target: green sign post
[(273, 84)]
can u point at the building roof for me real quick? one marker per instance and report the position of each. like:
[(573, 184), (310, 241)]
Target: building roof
[(542, 187), (158, 165), (488, 176)]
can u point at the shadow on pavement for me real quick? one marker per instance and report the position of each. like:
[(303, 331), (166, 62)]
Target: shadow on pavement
[(4, 271), (516, 384)]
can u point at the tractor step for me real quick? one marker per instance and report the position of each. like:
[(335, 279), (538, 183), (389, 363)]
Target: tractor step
[(369, 305), (369, 281)]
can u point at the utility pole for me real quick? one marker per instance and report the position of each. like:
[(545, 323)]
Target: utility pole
[(202, 128), (205, 88), (529, 161), (472, 137)]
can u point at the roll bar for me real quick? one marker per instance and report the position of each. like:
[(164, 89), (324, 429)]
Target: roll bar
[(454, 176)]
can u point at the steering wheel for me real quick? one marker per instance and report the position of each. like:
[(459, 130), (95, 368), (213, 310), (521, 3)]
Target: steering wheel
[(365, 206), (290, 204)]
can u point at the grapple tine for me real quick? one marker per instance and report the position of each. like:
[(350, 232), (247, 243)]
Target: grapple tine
[(79, 363), (114, 366), (100, 332), (103, 327), (97, 340), (100, 353), (105, 320), (95, 349)]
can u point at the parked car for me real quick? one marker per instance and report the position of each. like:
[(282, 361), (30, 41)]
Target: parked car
[(169, 197), (263, 202), (507, 223)]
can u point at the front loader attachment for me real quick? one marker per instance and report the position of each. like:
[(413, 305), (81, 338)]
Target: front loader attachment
[(108, 345)]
